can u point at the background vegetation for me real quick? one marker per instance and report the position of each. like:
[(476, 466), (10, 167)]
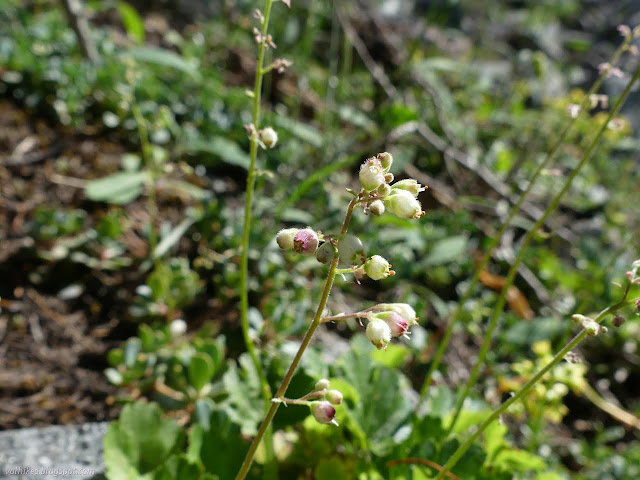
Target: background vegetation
[(122, 189)]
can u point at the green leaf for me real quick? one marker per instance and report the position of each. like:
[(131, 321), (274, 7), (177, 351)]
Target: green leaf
[(245, 405), (445, 251), (221, 449), (332, 469), (164, 58), (131, 350), (519, 460), (119, 188), (304, 132), (139, 441), (178, 468), (220, 147), (132, 22), (382, 408), (201, 370), (173, 237)]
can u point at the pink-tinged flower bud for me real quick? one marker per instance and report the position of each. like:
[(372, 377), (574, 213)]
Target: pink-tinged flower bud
[(326, 253), (371, 174), (378, 268), (388, 177), (403, 204), (322, 384), (397, 324), (324, 412), (378, 333), (377, 208), (269, 137), (285, 238), (334, 396), (350, 250), (386, 159), (638, 305), (403, 309), (410, 185), (618, 321), (306, 241)]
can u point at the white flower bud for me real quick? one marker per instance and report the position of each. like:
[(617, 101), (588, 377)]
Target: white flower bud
[(403, 204), (178, 327), (334, 396), (376, 208), (378, 268), (322, 384), (269, 137), (384, 190), (378, 333), (371, 174), (410, 185), (386, 159), (285, 238)]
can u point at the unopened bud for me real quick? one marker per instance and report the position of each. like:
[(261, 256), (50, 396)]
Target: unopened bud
[(403, 309), (177, 327), (378, 333), (397, 324), (371, 174), (306, 241), (269, 137), (638, 305), (334, 397), (377, 207), (403, 204), (386, 159), (322, 384), (326, 253), (384, 190), (324, 412), (350, 250), (378, 268), (410, 185), (285, 238), (388, 177), (618, 321)]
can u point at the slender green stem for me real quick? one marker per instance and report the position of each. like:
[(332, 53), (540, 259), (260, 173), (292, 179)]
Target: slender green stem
[(149, 163), (455, 318), (526, 387), (296, 360), (493, 323), (246, 230)]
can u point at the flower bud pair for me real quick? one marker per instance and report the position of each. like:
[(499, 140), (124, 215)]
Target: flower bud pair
[(303, 241), (398, 325), (592, 327), (403, 309)]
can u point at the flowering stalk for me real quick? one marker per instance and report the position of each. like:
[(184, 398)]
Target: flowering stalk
[(457, 314), (493, 323), (527, 386), (296, 360), (263, 42)]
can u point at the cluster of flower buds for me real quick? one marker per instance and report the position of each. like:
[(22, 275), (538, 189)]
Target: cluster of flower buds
[(389, 320), (304, 241), (320, 400), (400, 198), (348, 248), (592, 327)]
